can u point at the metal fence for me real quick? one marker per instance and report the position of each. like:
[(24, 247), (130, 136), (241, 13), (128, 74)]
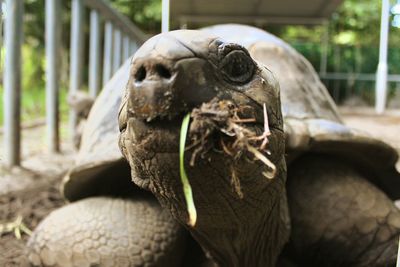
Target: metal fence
[(344, 86), (121, 38), (348, 71)]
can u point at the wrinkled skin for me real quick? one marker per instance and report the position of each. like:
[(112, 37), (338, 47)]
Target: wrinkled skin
[(176, 72), (338, 181), (170, 75)]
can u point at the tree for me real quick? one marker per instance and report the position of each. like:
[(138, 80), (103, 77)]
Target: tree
[(144, 13)]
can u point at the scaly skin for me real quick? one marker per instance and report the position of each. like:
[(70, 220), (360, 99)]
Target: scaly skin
[(198, 68), (103, 231), (338, 217)]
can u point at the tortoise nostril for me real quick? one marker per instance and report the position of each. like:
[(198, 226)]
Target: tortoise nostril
[(163, 71), (140, 74)]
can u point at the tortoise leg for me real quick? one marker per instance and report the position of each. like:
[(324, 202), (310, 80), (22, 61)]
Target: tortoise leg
[(105, 231), (338, 217)]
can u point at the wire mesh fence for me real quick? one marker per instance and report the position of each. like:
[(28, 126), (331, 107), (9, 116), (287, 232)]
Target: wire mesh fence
[(350, 71)]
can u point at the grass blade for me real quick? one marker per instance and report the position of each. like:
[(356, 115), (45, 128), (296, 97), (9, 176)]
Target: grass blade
[(270, 174), (187, 189)]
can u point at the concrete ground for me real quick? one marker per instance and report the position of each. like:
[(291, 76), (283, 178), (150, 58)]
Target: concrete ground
[(37, 162), (30, 192), (385, 127)]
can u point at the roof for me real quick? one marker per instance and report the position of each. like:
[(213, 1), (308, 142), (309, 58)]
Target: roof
[(259, 12)]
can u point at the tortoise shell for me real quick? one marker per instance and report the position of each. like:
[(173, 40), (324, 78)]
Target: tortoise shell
[(311, 121)]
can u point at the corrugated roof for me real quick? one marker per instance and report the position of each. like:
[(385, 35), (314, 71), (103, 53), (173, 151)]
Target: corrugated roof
[(195, 12)]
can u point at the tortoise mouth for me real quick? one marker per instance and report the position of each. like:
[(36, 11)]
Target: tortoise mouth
[(155, 121), (158, 135), (165, 120)]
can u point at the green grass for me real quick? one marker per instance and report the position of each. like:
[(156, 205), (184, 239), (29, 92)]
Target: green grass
[(187, 189), (33, 95), (33, 103)]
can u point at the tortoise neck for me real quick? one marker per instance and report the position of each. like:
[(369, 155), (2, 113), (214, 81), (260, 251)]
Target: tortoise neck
[(256, 244)]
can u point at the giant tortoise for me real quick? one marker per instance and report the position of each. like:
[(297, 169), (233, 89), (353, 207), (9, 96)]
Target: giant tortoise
[(333, 207)]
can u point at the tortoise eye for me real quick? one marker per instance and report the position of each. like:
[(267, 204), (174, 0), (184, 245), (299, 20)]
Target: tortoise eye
[(238, 67)]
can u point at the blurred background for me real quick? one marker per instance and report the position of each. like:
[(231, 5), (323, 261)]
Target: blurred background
[(342, 44), (352, 37), (55, 55), (341, 39)]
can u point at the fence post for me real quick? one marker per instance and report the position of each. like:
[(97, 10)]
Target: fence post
[(381, 72), (165, 16), (76, 57), (108, 43), (324, 49), (336, 65), (1, 26), (133, 47), (53, 34), (12, 82), (125, 48), (94, 56), (117, 50)]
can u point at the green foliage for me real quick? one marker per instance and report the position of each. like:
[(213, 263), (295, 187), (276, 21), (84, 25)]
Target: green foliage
[(33, 65), (145, 13), (353, 46), (34, 20), (353, 43), (361, 18), (33, 103), (300, 33), (354, 23)]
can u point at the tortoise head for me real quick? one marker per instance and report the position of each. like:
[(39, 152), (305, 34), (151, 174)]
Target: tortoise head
[(171, 74)]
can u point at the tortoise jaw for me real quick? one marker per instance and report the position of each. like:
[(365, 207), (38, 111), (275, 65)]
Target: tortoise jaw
[(159, 135), (161, 119)]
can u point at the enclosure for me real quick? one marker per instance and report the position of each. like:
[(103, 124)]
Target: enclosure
[(54, 50)]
